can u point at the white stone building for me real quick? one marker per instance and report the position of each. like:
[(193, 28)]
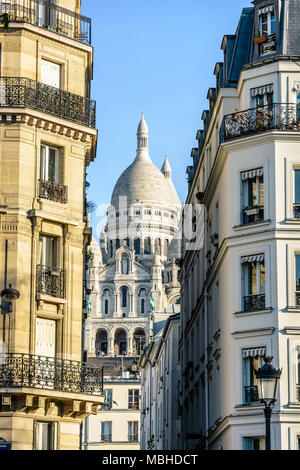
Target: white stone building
[(160, 387), (135, 266), (132, 277), (240, 294)]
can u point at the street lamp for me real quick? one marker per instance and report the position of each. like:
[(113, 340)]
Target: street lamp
[(268, 378), (8, 295)]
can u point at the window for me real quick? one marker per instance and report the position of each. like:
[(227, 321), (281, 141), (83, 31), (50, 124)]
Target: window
[(45, 436), (158, 246), (253, 283), (118, 244), (133, 432), (125, 264), (297, 279), (50, 73), (253, 443), (124, 291), (106, 298), (108, 399), (50, 164), (252, 196), (147, 246), (267, 21), (133, 399), (49, 253), (252, 361), (267, 30), (106, 431), (297, 194), (137, 246)]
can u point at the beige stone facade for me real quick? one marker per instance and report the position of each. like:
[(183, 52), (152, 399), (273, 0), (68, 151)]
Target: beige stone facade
[(47, 138)]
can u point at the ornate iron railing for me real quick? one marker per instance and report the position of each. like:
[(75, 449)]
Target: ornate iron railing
[(253, 215), (251, 394), (48, 16), (21, 92), (297, 211), (280, 117), (53, 191), (50, 281), (254, 303), (29, 371)]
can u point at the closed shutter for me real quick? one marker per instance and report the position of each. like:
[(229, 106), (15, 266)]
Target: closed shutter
[(45, 337), (50, 73)]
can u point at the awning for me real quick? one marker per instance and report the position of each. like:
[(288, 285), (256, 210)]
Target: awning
[(247, 175), (262, 90), (253, 259), (266, 9), (254, 352)]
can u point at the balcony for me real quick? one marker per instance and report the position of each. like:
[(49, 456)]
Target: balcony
[(20, 92), (251, 394), (48, 16), (50, 281), (279, 117), (29, 371), (253, 215), (254, 303), (53, 191)]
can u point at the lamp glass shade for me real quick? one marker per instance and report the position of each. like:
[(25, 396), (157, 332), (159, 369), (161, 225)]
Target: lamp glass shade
[(268, 388)]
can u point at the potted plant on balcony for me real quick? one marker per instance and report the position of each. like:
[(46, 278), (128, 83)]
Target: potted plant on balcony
[(260, 39), (235, 115), (252, 210)]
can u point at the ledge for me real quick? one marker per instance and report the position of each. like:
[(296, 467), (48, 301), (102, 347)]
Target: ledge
[(292, 221), (257, 312), (253, 224), (293, 309), (49, 299), (254, 332)]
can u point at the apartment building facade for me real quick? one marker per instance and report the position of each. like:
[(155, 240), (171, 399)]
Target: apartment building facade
[(240, 293), (48, 137)]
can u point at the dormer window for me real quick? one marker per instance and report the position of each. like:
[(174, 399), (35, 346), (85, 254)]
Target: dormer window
[(266, 37), (267, 21)]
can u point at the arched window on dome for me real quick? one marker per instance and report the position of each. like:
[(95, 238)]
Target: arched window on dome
[(158, 246), (118, 244), (137, 246), (124, 296), (147, 246), (106, 301), (125, 264), (111, 248), (166, 246), (142, 301)]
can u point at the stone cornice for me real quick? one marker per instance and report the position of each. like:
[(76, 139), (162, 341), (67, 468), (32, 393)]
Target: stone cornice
[(53, 124)]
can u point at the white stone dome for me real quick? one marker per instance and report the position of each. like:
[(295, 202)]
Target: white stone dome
[(143, 182)]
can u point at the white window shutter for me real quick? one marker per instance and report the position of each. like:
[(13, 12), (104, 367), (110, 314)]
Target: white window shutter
[(50, 73)]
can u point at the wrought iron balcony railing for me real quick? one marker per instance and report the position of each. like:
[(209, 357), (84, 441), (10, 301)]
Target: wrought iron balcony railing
[(49, 16), (254, 303), (29, 371), (297, 211), (253, 215), (53, 191), (251, 394), (21, 92), (50, 281), (106, 437), (280, 117), (133, 438)]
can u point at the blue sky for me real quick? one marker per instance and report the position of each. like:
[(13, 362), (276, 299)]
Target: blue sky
[(155, 56)]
